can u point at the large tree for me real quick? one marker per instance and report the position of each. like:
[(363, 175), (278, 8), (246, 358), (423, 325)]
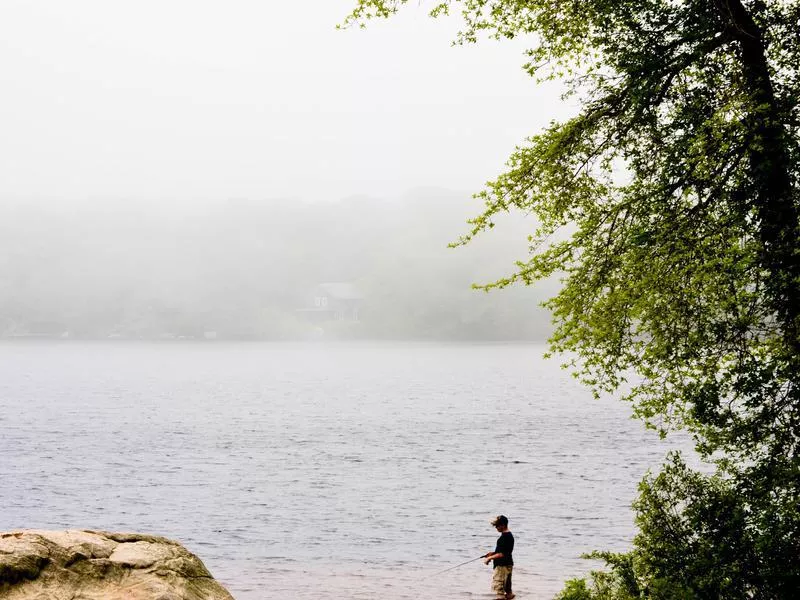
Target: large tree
[(669, 204)]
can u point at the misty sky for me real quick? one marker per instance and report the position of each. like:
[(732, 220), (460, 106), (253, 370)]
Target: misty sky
[(205, 99)]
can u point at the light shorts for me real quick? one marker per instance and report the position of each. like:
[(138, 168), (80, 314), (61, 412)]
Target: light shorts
[(501, 581)]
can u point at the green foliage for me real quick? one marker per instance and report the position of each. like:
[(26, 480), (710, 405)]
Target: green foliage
[(699, 537), (669, 204), (680, 258), (576, 589)]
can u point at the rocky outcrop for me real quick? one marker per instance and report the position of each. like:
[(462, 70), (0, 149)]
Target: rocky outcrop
[(98, 565)]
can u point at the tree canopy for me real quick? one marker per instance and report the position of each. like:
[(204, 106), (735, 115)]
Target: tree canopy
[(670, 205)]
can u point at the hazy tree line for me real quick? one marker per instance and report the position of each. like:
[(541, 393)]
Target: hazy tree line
[(243, 268)]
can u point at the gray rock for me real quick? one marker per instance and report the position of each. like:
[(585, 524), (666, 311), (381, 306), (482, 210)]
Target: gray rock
[(98, 565)]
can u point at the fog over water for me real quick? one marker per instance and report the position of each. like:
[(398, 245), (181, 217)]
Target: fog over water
[(243, 269), (177, 169), (229, 313)]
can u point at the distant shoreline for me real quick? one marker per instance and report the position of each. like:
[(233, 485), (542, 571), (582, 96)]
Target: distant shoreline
[(249, 340)]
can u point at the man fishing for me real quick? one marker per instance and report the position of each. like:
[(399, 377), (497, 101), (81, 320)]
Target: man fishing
[(503, 560)]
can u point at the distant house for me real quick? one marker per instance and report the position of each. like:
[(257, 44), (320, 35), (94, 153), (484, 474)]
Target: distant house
[(336, 301)]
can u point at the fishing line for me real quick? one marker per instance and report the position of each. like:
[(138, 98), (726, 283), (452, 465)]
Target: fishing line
[(461, 565)]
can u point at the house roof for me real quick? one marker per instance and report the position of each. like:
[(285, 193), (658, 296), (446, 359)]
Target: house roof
[(341, 290)]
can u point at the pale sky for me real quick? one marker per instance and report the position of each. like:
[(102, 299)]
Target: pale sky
[(165, 100)]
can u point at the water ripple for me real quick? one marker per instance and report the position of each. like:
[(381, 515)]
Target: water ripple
[(323, 471)]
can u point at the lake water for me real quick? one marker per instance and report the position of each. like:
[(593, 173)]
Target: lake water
[(323, 471)]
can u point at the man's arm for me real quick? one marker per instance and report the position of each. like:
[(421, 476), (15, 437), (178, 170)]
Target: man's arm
[(491, 556)]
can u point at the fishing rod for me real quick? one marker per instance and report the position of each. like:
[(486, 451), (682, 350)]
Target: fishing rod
[(461, 565)]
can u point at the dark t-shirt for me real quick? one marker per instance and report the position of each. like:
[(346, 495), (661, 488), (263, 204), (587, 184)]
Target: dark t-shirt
[(505, 545)]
